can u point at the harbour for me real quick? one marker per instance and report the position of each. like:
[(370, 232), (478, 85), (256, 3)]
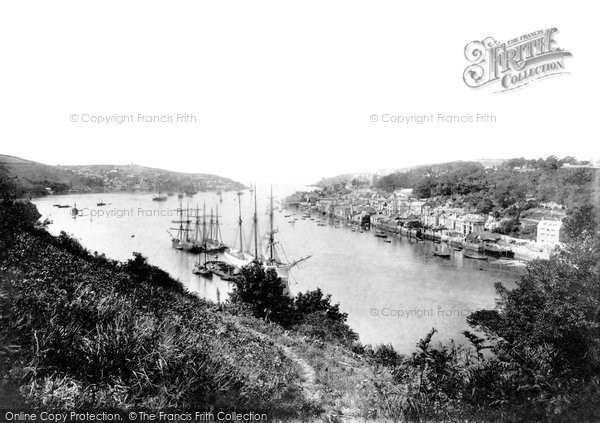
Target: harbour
[(393, 287)]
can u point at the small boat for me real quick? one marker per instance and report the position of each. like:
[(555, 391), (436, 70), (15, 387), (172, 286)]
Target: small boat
[(223, 270), (389, 241), (457, 248), (474, 256), (63, 206), (159, 197), (55, 205), (202, 270), (320, 224), (442, 254), (101, 203), (380, 234)]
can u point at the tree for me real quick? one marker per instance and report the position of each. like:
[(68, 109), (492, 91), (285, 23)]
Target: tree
[(316, 302), (581, 223), (8, 189), (263, 291), (555, 304)]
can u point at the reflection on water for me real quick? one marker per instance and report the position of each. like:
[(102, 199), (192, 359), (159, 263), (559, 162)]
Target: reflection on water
[(393, 292)]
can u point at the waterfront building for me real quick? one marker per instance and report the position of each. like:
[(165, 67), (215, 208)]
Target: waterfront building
[(548, 233), (492, 223), (471, 223)]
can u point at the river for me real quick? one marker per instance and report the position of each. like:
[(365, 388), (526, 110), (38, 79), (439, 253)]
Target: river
[(393, 292)]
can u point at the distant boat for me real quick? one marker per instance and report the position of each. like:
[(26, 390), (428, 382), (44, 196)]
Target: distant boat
[(474, 256), (63, 206), (101, 203), (387, 240), (380, 234), (159, 197)]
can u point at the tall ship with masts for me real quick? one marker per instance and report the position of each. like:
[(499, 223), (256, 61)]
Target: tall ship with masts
[(181, 239), (240, 256), (274, 257), (212, 241)]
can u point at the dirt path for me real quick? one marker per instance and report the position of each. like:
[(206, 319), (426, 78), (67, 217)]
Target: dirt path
[(310, 388)]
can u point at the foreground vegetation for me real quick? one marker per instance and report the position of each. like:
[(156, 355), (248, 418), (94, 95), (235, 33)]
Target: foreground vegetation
[(82, 331)]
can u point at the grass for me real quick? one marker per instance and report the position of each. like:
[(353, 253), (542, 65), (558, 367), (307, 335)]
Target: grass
[(81, 331)]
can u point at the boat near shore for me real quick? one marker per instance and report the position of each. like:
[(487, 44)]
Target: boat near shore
[(473, 256), (441, 251)]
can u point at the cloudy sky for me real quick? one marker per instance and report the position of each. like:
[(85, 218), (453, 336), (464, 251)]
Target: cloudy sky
[(283, 91)]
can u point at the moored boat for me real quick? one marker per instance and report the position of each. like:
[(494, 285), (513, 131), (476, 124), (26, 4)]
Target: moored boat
[(473, 256), (440, 251)]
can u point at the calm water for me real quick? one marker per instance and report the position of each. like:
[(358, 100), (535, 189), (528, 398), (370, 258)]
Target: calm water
[(393, 292)]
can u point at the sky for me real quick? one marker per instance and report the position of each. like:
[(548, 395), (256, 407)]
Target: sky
[(284, 91)]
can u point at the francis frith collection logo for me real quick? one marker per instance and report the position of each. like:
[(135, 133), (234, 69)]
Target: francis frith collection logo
[(514, 63)]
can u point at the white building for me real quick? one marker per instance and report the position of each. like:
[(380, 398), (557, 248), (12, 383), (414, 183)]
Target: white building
[(548, 233)]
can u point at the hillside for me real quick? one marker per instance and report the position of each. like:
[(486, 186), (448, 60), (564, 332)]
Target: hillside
[(370, 176), (34, 178)]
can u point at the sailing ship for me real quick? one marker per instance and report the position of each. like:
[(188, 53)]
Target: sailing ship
[(238, 256), (181, 240), (212, 241), (272, 257)]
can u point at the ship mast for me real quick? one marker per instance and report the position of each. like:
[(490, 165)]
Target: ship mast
[(204, 224), (240, 220), (197, 227), (272, 231), (217, 229), (255, 225), (211, 225)]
